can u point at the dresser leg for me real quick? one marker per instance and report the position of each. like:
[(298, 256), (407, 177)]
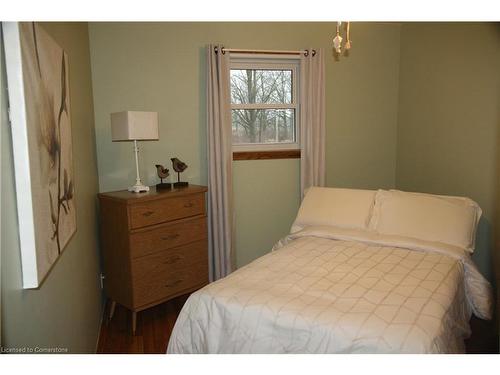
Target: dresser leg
[(134, 322), (112, 310)]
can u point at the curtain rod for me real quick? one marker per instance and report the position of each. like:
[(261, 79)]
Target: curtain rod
[(265, 51)]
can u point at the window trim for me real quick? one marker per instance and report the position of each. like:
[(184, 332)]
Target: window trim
[(270, 62), (266, 155)]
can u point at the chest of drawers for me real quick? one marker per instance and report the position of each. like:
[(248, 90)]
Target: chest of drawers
[(154, 246)]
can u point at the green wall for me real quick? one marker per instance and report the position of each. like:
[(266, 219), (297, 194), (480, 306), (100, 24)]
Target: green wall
[(161, 67), (266, 202), (65, 311), (448, 116)]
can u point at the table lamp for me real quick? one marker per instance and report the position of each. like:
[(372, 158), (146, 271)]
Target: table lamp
[(135, 126)]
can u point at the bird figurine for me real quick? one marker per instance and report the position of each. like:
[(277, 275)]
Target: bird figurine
[(162, 173), (179, 167)]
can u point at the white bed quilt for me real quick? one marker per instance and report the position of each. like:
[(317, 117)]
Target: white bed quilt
[(330, 291)]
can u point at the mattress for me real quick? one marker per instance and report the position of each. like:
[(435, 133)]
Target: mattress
[(325, 290)]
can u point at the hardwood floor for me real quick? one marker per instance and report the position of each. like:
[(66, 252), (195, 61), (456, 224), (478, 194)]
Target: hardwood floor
[(484, 338), (155, 325)]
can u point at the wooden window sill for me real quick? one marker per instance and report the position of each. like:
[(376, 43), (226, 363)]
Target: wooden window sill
[(266, 155)]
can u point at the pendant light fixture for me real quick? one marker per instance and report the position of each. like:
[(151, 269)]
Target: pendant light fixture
[(337, 41)]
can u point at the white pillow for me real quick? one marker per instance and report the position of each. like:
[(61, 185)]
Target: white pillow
[(343, 208), (444, 219)]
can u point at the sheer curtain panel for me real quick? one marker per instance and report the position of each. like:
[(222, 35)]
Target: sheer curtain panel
[(220, 190), (312, 120)]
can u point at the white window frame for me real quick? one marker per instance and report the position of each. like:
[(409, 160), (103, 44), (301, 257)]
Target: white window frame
[(271, 62)]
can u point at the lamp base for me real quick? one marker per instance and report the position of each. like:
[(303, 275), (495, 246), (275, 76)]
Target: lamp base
[(138, 189)]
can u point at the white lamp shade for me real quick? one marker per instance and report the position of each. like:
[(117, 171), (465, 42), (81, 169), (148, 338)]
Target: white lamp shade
[(134, 125)]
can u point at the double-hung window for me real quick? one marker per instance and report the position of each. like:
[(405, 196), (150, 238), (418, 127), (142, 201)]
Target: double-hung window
[(264, 104)]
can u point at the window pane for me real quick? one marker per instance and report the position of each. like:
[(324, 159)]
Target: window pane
[(261, 86), (263, 126)]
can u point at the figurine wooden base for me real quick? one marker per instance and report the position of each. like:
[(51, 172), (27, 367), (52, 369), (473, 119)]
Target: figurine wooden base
[(180, 184), (163, 186)]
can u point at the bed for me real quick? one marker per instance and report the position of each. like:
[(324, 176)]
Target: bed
[(349, 278)]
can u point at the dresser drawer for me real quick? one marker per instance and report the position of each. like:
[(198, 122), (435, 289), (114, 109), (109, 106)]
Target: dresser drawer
[(167, 236), (171, 271), (162, 210)]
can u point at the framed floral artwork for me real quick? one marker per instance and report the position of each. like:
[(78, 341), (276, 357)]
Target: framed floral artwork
[(40, 114)]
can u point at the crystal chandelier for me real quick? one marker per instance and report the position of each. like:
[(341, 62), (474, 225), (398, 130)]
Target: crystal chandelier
[(337, 41)]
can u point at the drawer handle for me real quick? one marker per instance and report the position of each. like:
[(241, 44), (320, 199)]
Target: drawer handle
[(170, 237), (173, 259), (189, 204), (173, 283), (148, 213)]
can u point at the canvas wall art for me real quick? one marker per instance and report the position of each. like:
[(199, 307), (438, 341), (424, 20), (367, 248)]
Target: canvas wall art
[(37, 76)]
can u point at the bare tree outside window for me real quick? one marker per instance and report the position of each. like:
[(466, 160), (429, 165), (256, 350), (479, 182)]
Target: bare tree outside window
[(262, 106)]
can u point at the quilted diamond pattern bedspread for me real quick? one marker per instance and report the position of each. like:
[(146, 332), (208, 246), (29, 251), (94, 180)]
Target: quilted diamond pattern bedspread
[(321, 294)]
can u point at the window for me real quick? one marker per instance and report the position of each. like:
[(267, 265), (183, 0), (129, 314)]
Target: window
[(264, 105)]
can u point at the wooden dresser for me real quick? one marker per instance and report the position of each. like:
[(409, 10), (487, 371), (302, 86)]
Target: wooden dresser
[(154, 246)]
